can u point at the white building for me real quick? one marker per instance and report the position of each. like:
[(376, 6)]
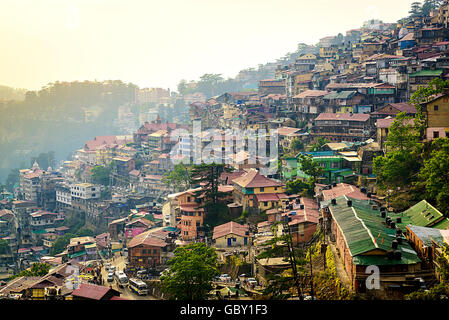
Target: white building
[(85, 191)]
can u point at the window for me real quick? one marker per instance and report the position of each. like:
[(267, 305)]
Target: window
[(155, 251), (188, 199), (265, 203), (262, 189), (435, 108), (436, 134)]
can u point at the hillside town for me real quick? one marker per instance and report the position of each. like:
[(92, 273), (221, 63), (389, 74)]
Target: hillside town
[(320, 186)]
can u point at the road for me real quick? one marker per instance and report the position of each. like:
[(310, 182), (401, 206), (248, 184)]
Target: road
[(119, 263)]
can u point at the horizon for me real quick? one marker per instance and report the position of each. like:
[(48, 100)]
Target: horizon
[(81, 40)]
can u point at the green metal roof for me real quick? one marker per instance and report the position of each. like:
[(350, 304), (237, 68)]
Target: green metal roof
[(41, 231), (423, 214), (364, 230), (77, 254), (427, 73)]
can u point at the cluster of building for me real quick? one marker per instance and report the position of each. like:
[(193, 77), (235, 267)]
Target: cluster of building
[(348, 91)]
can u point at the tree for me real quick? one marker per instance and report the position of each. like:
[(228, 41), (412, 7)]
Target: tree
[(100, 175), (12, 179), (179, 177), (61, 243), (37, 270), (4, 247), (319, 143), (310, 167), (434, 174), (399, 167), (415, 10), (297, 145), (283, 284), (209, 175), (191, 272), (299, 186), (44, 160)]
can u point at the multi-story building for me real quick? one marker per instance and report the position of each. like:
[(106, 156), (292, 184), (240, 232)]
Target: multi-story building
[(338, 127)]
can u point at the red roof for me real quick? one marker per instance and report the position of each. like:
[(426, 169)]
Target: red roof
[(343, 116), (230, 228), (253, 179), (344, 189), (267, 197), (401, 107), (91, 291), (311, 94)]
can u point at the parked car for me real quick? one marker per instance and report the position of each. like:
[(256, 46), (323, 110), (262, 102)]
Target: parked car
[(107, 266), (142, 274), (111, 269), (110, 277), (225, 277), (251, 281)]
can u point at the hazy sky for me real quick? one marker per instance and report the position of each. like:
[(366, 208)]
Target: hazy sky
[(157, 43)]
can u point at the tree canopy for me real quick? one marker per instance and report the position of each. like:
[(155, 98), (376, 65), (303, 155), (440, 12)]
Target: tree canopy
[(191, 272)]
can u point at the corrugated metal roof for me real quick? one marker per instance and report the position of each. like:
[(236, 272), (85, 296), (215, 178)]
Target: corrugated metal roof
[(365, 231), (423, 214)]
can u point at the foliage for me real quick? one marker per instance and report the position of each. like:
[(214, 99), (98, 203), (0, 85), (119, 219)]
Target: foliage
[(297, 145), (179, 177), (299, 186), (84, 232), (399, 166), (44, 160), (438, 292), (61, 243), (216, 214), (318, 144), (281, 283), (191, 272), (310, 167), (209, 175), (37, 270), (100, 175), (327, 284), (4, 247), (12, 179), (434, 174)]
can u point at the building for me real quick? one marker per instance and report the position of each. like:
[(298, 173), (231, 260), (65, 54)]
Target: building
[(364, 238), (257, 192), (338, 127), (150, 249), (437, 117), (271, 86), (230, 234), (88, 291)]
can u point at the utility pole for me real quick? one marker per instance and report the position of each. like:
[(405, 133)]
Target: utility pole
[(292, 259), (311, 273)]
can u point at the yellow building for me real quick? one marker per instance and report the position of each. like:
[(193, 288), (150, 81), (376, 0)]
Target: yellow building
[(437, 117), (255, 191)]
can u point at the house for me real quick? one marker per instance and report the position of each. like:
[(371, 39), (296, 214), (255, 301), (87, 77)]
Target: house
[(230, 234), (436, 110), (150, 249), (365, 237), (425, 240), (271, 86), (87, 291), (425, 215), (257, 192), (338, 127), (332, 164), (392, 109), (303, 216), (340, 190)]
